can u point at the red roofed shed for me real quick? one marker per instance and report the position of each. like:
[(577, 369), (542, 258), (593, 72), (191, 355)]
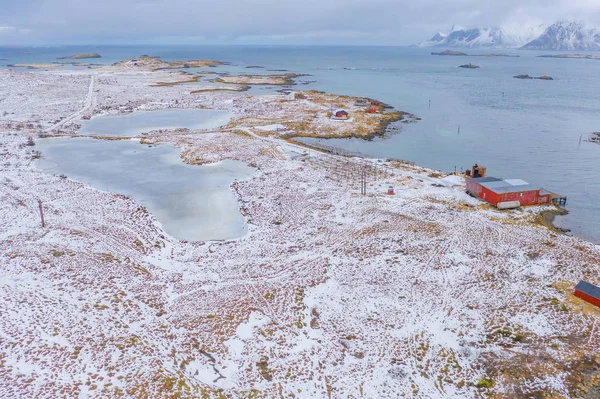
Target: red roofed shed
[(588, 292), (509, 193)]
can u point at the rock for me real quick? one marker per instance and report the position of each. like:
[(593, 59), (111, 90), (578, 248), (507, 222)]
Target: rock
[(544, 77), (80, 56), (449, 52), (469, 66)]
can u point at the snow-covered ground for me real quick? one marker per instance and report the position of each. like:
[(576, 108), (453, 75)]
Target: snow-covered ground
[(332, 294)]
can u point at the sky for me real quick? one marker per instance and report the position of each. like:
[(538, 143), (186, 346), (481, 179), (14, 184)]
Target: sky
[(352, 22)]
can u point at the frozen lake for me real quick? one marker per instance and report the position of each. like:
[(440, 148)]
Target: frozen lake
[(144, 121), (192, 203)]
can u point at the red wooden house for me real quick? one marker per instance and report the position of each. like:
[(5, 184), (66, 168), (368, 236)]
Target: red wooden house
[(341, 114), (506, 194), (588, 292)]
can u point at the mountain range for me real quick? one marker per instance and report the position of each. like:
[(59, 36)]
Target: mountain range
[(563, 35)]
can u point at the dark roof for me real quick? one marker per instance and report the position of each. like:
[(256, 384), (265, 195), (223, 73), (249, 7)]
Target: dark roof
[(500, 186), (510, 186), (484, 179), (588, 288)]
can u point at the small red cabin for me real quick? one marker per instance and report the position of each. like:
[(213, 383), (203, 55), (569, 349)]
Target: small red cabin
[(341, 114), (588, 292), (509, 193)]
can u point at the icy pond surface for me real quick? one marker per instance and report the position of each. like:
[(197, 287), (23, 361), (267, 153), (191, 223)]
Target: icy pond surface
[(192, 203), (144, 121)]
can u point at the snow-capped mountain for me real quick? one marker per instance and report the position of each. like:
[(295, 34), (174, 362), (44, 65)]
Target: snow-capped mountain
[(566, 35), (481, 37)]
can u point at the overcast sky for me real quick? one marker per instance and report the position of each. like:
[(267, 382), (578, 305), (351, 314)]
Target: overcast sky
[(383, 22)]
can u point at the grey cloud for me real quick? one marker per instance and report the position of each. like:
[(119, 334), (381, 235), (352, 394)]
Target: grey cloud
[(269, 21)]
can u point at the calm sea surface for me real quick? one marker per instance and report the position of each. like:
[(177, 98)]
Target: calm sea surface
[(528, 129)]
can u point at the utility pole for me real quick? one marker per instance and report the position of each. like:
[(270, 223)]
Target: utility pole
[(363, 181), (41, 213)]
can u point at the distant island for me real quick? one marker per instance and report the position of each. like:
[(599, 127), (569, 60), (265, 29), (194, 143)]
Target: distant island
[(576, 56), (543, 77), (469, 66), (496, 55), (460, 53), (80, 56), (450, 52)]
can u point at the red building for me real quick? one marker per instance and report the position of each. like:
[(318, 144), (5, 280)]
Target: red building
[(588, 292), (506, 194)]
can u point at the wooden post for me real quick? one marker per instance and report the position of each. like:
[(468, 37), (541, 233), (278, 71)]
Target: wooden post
[(41, 213), (363, 183)]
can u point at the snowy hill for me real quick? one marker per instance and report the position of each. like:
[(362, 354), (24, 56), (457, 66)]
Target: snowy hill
[(481, 37), (566, 35)]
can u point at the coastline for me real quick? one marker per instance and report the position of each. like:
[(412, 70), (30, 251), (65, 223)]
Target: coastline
[(371, 287), (547, 217)]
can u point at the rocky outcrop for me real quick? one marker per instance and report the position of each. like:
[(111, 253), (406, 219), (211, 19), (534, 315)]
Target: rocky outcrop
[(81, 56), (450, 52), (543, 77)]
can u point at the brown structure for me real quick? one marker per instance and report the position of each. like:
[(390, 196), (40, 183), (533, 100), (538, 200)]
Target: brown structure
[(479, 171)]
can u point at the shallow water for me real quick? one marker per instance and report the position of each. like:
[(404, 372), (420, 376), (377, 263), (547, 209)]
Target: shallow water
[(144, 121), (192, 203)]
